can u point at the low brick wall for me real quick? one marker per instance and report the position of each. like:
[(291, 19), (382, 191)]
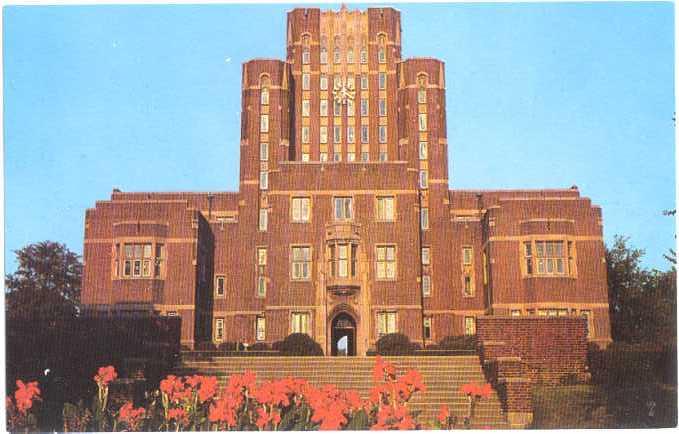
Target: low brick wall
[(551, 347)]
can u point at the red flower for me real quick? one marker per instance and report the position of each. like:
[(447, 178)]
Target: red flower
[(262, 418), (468, 389), (207, 389), (105, 375), (223, 410), (177, 414), (484, 391), (383, 370), (25, 394), (131, 416), (443, 415)]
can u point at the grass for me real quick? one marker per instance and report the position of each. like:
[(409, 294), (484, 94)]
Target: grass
[(645, 405)]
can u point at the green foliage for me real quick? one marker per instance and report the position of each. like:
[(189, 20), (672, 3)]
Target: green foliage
[(642, 303), (299, 344), (46, 283), (395, 344), (623, 363), (359, 421)]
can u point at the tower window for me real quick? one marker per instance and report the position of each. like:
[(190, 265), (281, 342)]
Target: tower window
[(324, 82), (364, 55), (337, 56), (263, 217), (364, 134), (364, 106), (305, 134), (424, 179), (306, 81), (263, 180), (337, 134), (324, 56), (337, 108), (306, 107), (422, 121), (324, 134), (350, 107), (264, 124), (219, 286), (264, 151), (426, 326), (382, 130), (350, 55), (350, 134), (382, 107), (264, 96), (424, 218), (324, 107), (364, 81), (219, 329), (426, 285), (382, 80), (423, 150), (425, 255)]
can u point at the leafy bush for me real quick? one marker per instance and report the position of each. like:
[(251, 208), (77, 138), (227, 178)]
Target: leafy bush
[(298, 344), (627, 363), (227, 346), (463, 342), (260, 346), (205, 346), (395, 344)]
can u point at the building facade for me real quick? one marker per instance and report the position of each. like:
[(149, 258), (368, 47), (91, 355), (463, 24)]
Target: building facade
[(344, 223)]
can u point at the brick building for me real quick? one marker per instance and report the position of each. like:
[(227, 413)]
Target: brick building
[(344, 223)]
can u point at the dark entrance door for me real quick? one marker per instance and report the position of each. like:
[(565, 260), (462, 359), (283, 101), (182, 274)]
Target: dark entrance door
[(343, 326)]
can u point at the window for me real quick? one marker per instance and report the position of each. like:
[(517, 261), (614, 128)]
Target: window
[(324, 155), (262, 219), (364, 106), (264, 151), (343, 208), (386, 262), (337, 55), (385, 208), (423, 150), (301, 263), (306, 107), (324, 107), (468, 286), (219, 329), (138, 260), (261, 258), (528, 252), (219, 286), (364, 55), (324, 56), (299, 322), (382, 107), (422, 95), (469, 325), (516, 312), (571, 259), (467, 255), (350, 107), (382, 134), (337, 81), (341, 257), (364, 81), (550, 257), (158, 269), (264, 96), (587, 315), (301, 209), (260, 328), (424, 218), (350, 135), (306, 56), (264, 124), (386, 323), (337, 134), (337, 156), (426, 258), (364, 135), (263, 180), (337, 108), (351, 82), (324, 134), (305, 134), (382, 55), (383, 156), (351, 156), (305, 156), (350, 55), (261, 286), (382, 77), (424, 179), (426, 326), (426, 285), (324, 82), (422, 121), (306, 81)]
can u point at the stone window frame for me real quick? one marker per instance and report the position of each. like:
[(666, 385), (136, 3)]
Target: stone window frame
[(570, 256), (219, 277), (292, 209), (157, 259), (257, 336), (394, 212), (310, 261), (386, 246), (428, 293), (215, 337), (309, 324), (378, 314)]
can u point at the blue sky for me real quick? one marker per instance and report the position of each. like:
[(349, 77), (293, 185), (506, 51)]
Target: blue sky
[(147, 98)]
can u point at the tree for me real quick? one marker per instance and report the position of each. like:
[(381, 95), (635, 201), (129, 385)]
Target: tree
[(642, 302), (46, 284)]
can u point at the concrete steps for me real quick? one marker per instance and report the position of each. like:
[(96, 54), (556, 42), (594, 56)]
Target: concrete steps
[(443, 377)]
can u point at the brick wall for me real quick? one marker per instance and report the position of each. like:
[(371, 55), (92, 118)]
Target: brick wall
[(549, 347)]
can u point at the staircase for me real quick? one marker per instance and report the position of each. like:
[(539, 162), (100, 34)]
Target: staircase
[(442, 376)]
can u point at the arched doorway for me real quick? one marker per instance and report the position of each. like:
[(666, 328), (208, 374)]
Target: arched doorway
[(343, 335)]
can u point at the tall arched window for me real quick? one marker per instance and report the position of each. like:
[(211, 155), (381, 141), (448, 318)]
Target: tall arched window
[(382, 49), (422, 88), (324, 50), (306, 50), (264, 84)]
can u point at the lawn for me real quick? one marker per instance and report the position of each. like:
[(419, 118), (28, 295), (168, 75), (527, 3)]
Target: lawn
[(642, 405)]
